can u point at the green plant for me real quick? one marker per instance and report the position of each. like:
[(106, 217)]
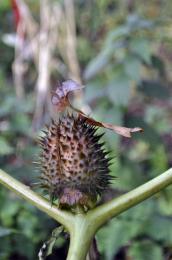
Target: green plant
[(78, 219), (138, 74)]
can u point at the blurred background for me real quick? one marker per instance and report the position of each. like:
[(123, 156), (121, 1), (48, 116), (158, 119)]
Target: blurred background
[(121, 50)]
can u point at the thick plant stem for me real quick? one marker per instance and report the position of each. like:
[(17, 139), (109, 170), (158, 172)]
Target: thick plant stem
[(81, 236), (116, 206), (63, 217)]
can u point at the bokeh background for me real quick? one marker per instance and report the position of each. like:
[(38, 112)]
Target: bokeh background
[(121, 50)]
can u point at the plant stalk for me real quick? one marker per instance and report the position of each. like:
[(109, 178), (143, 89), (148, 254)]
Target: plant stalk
[(62, 216), (103, 213), (81, 236)]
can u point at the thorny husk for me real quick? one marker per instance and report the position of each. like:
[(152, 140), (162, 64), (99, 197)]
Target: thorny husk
[(75, 166)]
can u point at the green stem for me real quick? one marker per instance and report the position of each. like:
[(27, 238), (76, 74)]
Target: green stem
[(103, 213), (82, 227), (63, 217), (81, 236)]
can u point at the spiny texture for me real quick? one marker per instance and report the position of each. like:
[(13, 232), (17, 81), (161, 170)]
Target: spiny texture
[(74, 164)]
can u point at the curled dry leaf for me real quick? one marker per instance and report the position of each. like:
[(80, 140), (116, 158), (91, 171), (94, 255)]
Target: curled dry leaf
[(124, 131), (61, 101), (121, 130), (60, 96)]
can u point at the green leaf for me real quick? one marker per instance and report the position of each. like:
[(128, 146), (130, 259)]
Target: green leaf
[(5, 231), (119, 90), (127, 172), (132, 67), (27, 227), (21, 123), (94, 90), (111, 46), (116, 234), (119, 32), (9, 209), (141, 47), (158, 64), (5, 147), (165, 202), (159, 228), (23, 246), (135, 22), (159, 160), (145, 250), (114, 116), (5, 6), (154, 89), (7, 105), (140, 213), (97, 64)]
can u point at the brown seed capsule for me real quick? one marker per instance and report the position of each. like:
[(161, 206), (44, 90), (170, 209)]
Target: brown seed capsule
[(75, 168)]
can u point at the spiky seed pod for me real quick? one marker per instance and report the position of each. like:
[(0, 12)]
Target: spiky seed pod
[(75, 168)]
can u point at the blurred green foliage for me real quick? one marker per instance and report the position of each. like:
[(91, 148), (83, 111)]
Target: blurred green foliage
[(124, 50)]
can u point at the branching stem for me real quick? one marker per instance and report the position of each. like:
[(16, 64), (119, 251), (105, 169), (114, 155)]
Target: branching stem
[(83, 226), (32, 197), (118, 205)]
